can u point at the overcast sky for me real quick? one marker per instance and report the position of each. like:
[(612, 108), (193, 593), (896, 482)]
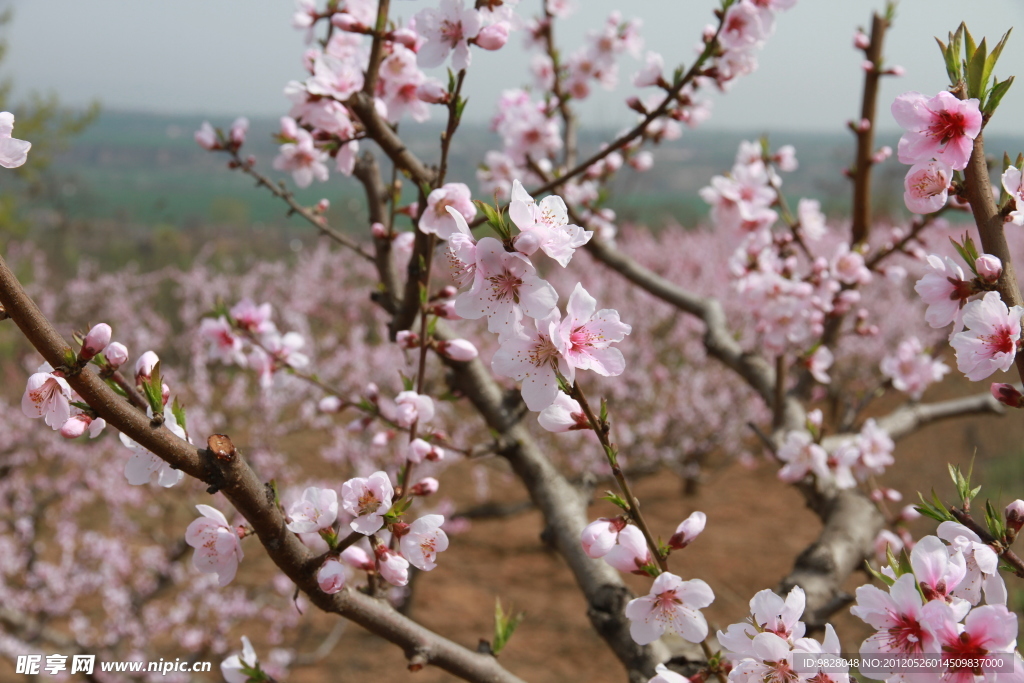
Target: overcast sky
[(232, 57)]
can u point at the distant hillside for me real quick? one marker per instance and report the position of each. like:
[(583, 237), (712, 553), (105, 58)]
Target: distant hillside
[(146, 169)]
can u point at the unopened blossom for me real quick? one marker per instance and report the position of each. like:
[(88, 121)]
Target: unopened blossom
[(493, 37), (75, 426), (95, 341), (1013, 183), (990, 342), (689, 529), (989, 268), (458, 349), (630, 553), (585, 336), (13, 152), (367, 499), (944, 289), (231, 668), (1015, 515), (601, 535), (433, 91), (392, 566), (926, 186), (420, 450), (425, 487), (942, 127), (534, 360), (447, 28), (315, 511), (302, 159), (672, 604), (665, 675), (411, 408), (331, 576), (47, 395), (144, 367), (218, 548), (116, 354), (423, 540), (545, 225), (911, 369), (886, 542), (357, 558), (564, 415), (505, 287), (206, 137), (435, 218), (143, 466)]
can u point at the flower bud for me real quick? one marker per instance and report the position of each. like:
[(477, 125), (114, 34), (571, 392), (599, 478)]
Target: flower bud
[(493, 37), (688, 530), (447, 292), (446, 310), (75, 426), (322, 206), (407, 339), (346, 22), (357, 558), (94, 342), (116, 354), (329, 404), (642, 161), (1007, 394), (458, 349), (238, 130), (144, 366), (331, 577), (861, 40), (425, 487), (636, 105), (378, 231), (399, 529), (1015, 515), (433, 92), (206, 137), (405, 36), (909, 513), (527, 243), (989, 268)]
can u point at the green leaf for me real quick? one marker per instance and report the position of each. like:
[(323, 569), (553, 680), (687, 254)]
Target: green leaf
[(976, 71), (993, 57), (408, 382), (604, 409), (504, 626), (178, 411), (888, 581), (494, 218), (616, 500), (999, 89)]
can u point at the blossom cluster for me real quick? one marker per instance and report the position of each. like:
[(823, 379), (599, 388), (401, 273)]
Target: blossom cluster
[(850, 461)]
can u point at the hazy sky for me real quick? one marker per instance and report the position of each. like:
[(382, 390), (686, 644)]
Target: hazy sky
[(232, 57)]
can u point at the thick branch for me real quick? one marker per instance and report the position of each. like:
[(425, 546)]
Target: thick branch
[(252, 499), (909, 418), (565, 514), (381, 132)]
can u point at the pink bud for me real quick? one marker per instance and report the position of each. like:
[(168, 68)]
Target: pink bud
[(458, 349), (329, 404), (331, 577), (75, 427), (289, 129), (882, 154), (346, 22), (446, 310), (493, 37), (425, 487), (116, 354), (814, 418), (94, 342), (895, 70), (636, 105), (909, 513), (433, 92), (372, 393), (407, 339), (642, 161), (399, 529), (989, 268), (864, 125), (405, 36), (1015, 515), (238, 130), (1007, 394), (868, 65), (378, 231), (447, 292), (861, 40), (322, 206), (165, 392), (206, 137), (356, 557), (144, 366), (527, 243), (688, 530)]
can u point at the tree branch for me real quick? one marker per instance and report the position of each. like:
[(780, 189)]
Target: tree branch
[(252, 499)]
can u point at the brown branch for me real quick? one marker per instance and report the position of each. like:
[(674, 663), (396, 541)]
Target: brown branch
[(367, 171), (376, 49), (866, 138), (250, 498), (381, 132), (909, 418)]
